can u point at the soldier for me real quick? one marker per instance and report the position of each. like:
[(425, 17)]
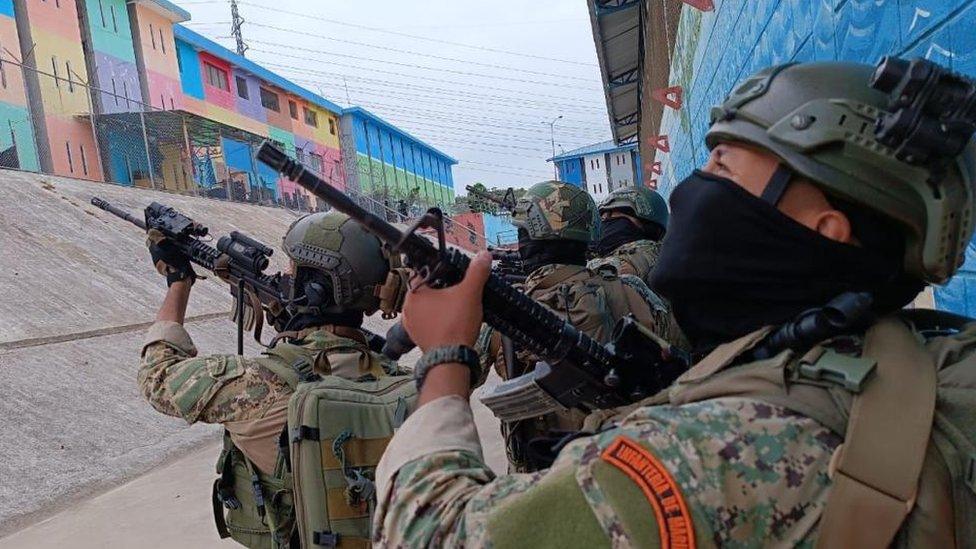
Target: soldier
[(633, 223), (829, 440), (556, 222), (633, 220), (336, 266)]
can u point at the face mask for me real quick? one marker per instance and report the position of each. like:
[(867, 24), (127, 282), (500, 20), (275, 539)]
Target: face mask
[(538, 253), (732, 263), (616, 232)]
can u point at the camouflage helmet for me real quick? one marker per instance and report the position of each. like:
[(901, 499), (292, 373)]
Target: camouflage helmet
[(553, 210), (337, 246), (640, 202), (819, 118)]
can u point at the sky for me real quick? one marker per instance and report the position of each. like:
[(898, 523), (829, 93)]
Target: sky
[(480, 80)]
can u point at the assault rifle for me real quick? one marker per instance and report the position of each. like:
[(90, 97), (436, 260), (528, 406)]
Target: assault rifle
[(578, 373), (508, 265), (507, 201), (238, 260)]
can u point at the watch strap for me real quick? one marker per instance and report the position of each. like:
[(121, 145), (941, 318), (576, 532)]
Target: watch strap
[(448, 354)]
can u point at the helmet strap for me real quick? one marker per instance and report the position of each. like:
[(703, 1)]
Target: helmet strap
[(777, 184)]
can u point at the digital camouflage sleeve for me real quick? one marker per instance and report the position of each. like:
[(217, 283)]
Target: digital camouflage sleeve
[(728, 471)]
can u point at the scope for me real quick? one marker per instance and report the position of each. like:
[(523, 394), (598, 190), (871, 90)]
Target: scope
[(931, 112), (251, 254), (171, 221)]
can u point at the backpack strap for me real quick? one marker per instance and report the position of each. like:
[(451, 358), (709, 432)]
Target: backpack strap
[(878, 465)]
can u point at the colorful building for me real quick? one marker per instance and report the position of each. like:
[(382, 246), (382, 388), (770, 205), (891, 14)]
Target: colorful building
[(51, 42), (388, 164), (600, 168), (118, 90), (17, 147)]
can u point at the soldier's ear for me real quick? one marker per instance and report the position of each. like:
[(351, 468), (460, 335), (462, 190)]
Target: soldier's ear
[(833, 224)]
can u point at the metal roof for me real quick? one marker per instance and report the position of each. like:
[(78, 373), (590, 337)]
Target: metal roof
[(205, 44), (596, 148), (361, 112), (618, 35)]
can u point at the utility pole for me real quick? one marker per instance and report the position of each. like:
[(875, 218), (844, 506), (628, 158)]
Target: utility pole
[(235, 28), (552, 141)]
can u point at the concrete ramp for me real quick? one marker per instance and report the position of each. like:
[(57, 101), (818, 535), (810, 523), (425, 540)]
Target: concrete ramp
[(76, 293)]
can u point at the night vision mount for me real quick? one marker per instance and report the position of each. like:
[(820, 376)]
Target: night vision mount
[(931, 113)]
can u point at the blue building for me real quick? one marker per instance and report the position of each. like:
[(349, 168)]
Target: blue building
[(710, 51), (600, 168), (387, 163)]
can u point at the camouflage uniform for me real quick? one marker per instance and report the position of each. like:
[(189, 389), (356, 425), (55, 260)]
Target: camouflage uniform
[(242, 393), (639, 257), (729, 471), (593, 301), (744, 452)]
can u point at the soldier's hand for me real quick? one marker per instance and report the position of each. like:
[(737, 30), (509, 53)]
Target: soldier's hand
[(168, 259), (449, 316)]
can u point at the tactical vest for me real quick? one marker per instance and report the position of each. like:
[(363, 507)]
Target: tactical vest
[(321, 492), (906, 409), (593, 305)]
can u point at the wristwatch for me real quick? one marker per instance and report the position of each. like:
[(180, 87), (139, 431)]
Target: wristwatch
[(460, 354)]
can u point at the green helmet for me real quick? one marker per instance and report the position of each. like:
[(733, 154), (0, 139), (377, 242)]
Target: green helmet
[(351, 258), (553, 210), (640, 202), (819, 118)]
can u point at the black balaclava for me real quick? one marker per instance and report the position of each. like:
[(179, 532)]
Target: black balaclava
[(616, 232), (732, 263), (537, 253)]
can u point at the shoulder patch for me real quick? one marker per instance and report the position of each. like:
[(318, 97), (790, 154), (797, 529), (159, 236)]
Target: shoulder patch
[(673, 518)]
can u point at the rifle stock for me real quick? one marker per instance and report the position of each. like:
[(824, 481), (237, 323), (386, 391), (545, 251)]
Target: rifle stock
[(580, 372)]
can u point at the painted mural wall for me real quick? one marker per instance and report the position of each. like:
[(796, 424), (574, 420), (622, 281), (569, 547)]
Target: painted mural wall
[(714, 50), (17, 147), (61, 108)]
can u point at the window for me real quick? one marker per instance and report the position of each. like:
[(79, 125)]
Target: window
[(601, 186), (101, 12), (172, 107), (293, 109), (84, 163), (115, 93), (241, 87), (216, 77), (623, 159), (125, 92), (152, 35), (598, 167), (300, 155), (67, 148), (332, 126), (311, 117), (3, 72), (315, 160), (54, 65), (71, 84), (115, 25), (269, 100), (591, 163), (162, 43), (162, 102)]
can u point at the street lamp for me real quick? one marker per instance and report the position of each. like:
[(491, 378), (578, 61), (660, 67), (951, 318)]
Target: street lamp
[(552, 141)]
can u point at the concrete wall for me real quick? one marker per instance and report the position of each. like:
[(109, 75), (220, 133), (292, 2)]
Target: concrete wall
[(714, 50), (595, 168)]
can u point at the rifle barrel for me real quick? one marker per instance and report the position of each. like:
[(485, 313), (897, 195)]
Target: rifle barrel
[(104, 205)]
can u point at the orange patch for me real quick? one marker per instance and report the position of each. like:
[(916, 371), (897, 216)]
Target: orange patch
[(673, 519)]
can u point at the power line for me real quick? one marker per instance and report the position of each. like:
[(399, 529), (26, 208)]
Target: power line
[(418, 37), (420, 87), (458, 99), (421, 67), (419, 54)]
